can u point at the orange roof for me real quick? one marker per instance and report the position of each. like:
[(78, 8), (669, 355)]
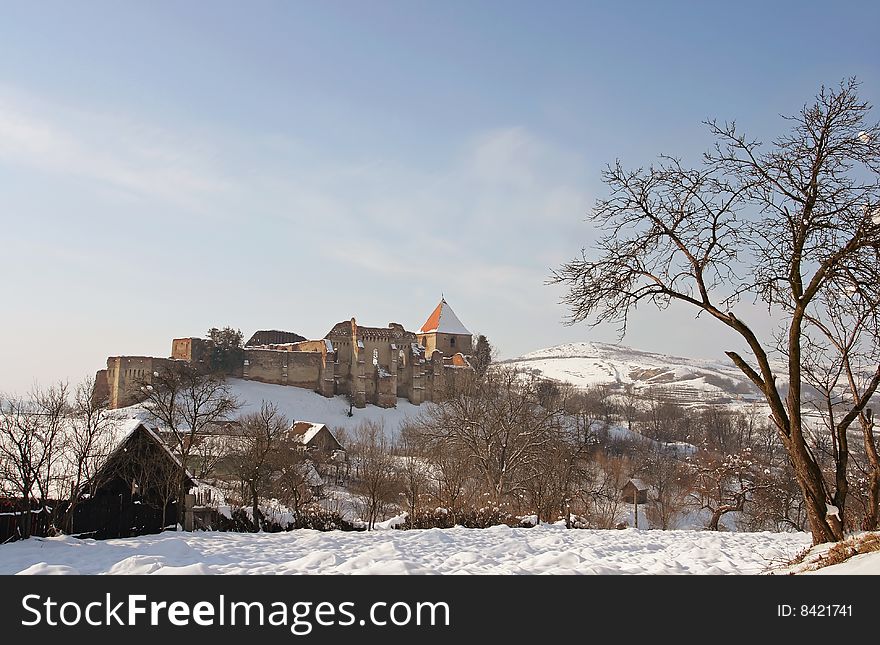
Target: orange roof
[(433, 320), (444, 320)]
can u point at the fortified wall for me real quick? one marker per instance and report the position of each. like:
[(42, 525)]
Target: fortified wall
[(369, 364)]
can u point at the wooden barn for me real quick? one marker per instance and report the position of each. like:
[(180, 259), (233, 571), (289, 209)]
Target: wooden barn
[(315, 437), (135, 491)]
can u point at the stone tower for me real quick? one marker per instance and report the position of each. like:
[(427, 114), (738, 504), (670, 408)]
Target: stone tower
[(443, 331)]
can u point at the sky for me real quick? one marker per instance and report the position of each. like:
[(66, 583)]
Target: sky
[(166, 167)]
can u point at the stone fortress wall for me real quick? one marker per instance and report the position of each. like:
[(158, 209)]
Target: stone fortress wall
[(369, 364)]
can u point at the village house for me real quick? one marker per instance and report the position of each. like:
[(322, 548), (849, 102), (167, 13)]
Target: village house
[(134, 492)]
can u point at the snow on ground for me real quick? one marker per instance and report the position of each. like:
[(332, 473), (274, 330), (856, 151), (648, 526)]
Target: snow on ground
[(866, 564), (589, 364), (815, 561), (305, 405), (499, 550), (300, 404)]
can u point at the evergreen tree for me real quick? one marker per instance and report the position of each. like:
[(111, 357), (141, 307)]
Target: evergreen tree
[(482, 357), (227, 353)]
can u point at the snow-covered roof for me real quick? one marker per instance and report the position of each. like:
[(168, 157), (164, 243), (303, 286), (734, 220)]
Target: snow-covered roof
[(444, 321), (125, 428), (638, 483), (311, 476), (305, 431)]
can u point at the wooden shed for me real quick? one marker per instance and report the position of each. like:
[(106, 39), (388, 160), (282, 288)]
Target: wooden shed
[(315, 437), (134, 491), (635, 491)]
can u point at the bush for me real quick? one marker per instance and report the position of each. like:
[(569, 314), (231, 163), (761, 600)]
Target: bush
[(317, 518), (441, 518)]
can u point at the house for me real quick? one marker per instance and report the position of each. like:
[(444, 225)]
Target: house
[(135, 490), (315, 437), (635, 491)]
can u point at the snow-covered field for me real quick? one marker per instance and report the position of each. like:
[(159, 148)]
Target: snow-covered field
[(299, 404), (498, 550), (589, 364), (304, 405)]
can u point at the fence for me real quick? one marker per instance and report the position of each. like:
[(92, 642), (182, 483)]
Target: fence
[(13, 518), (121, 515)]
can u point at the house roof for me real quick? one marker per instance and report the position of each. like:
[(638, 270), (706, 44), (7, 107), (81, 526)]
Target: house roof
[(444, 321), (305, 431), (125, 430), (273, 337), (638, 483)]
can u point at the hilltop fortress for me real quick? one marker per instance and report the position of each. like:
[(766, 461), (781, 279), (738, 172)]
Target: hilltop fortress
[(370, 364)]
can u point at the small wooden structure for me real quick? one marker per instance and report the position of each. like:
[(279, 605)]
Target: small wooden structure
[(315, 437), (635, 491), (135, 491)]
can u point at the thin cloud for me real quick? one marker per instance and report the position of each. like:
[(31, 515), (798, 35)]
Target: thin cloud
[(106, 150)]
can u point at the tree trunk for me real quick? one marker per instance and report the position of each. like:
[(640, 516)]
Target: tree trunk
[(871, 514), (824, 528), (26, 518), (255, 507), (870, 521), (841, 482), (181, 496)]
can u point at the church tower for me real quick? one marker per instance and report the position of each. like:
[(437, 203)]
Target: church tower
[(445, 332)]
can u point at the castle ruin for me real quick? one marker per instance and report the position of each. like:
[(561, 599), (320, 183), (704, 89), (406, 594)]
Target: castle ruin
[(368, 364)]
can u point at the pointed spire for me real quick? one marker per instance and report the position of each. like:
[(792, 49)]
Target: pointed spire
[(444, 320)]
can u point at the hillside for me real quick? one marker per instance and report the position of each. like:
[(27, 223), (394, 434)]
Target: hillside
[(299, 404), (305, 405), (687, 379)]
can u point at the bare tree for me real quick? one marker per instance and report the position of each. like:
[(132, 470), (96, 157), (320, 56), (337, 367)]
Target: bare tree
[(555, 476), (184, 401), (671, 482), (725, 483), (89, 442), (450, 476), (629, 405), (377, 479), (783, 225), (254, 455), (501, 426), (295, 481), (842, 365), (413, 469), (661, 417), (32, 447), (599, 492)]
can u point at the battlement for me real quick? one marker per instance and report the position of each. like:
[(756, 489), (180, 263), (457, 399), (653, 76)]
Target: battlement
[(368, 364)]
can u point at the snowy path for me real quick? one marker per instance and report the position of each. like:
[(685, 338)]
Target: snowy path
[(498, 550)]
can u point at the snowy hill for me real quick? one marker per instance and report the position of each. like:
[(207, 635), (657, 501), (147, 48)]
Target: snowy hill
[(305, 405), (687, 379), (299, 404)]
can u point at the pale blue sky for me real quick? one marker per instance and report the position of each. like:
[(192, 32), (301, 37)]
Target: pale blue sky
[(169, 166)]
